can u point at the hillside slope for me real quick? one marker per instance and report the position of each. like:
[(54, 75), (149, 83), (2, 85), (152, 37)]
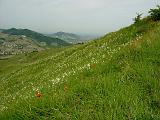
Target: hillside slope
[(40, 38), (13, 45), (115, 77)]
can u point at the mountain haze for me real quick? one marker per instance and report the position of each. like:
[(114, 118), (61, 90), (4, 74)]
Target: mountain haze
[(73, 38), (68, 37)]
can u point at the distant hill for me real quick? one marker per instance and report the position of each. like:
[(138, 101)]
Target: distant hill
[(70, 37), (40, 38), (2, 30), (13, 45)]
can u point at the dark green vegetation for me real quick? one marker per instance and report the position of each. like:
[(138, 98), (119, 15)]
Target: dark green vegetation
[(11, 45), (115, 77), (138, 18), (155, 13), (37, 37)]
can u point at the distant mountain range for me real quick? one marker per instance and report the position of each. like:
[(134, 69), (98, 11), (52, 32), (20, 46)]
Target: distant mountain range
[(68, 37), (17, 41), (37, 37), (13, 44), (71, 38)]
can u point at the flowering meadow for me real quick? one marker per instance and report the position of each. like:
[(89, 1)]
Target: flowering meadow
[(115, 77)]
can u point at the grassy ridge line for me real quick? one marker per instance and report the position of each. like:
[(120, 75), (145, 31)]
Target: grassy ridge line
[(93, 50)]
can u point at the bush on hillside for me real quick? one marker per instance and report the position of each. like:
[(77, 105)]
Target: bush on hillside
[(155, 13), (137, 19)]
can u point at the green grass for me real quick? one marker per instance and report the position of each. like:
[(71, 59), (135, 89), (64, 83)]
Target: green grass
[(115, 77), (11, 64)]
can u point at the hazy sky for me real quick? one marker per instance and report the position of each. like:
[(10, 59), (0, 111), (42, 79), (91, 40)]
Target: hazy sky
[(77, 16)]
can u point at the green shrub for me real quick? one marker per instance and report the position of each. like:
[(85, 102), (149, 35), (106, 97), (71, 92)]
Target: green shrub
[(155, 13), (137, 19)]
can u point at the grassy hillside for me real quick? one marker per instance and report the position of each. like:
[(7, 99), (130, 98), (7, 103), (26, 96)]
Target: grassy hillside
[(22, 60), (40, 38), (115, 77)]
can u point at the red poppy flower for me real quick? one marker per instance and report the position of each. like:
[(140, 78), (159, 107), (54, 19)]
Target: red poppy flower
[(38, 94)]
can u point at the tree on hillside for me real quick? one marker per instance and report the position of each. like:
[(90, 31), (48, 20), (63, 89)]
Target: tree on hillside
[(137, 19), (155, 13)]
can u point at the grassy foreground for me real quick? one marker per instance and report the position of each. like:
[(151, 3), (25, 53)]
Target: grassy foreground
[(115, 77)]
